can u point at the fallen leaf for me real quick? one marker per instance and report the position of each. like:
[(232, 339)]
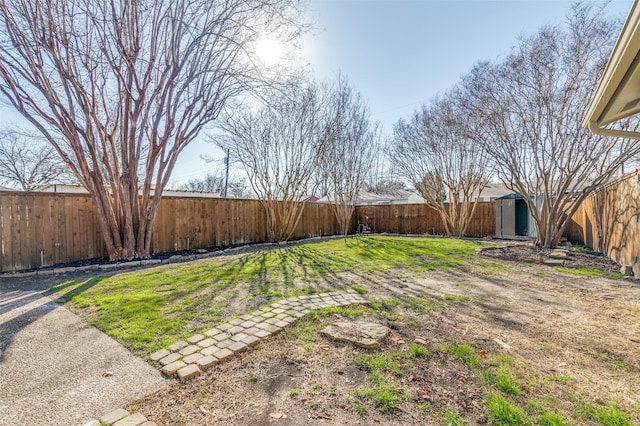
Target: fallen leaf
[(278, 416), (397, 340), (503, 344), (420, 340)]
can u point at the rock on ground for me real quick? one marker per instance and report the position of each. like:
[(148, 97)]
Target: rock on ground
[(361, 333)]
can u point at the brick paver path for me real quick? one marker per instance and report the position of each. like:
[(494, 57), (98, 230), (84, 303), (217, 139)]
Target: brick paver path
[(190, 358)]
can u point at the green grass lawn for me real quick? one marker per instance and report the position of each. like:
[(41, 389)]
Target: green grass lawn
[(593, 272), (152, 308)]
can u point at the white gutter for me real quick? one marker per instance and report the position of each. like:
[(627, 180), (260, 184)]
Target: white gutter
[(618, 94), (599, 130)]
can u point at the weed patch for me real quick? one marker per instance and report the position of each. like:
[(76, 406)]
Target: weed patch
[(502, 379), (607, 414), (593, 272), (452, 418), (418, 351), (551, 419), (294, 392), (465, 353), (502, 413), (386, 397), (380, 362)]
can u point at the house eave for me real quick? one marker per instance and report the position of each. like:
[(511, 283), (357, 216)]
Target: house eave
[(618, 94)]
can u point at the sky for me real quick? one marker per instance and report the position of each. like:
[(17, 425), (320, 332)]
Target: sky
[(400, 54)]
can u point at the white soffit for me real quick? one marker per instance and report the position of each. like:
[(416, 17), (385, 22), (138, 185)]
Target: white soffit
[(618, 95)]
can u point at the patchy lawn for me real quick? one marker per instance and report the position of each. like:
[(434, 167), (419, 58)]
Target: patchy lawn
[(507, 343), (150, 309)]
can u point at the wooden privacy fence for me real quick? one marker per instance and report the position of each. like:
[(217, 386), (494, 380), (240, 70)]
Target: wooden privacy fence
[(44, 229), (609, 221), (422, 219)]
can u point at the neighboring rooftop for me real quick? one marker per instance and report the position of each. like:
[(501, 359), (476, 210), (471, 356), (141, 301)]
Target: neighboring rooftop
[(494, 190), (79, 189), (394, 196)]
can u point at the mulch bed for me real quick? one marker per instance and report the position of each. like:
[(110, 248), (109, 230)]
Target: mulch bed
[(576, 258)]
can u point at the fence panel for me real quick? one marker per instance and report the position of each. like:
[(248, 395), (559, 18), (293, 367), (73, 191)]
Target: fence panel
[(422, 219), (609, 221)]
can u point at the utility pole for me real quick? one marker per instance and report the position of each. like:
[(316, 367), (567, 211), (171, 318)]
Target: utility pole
[(226, 179)]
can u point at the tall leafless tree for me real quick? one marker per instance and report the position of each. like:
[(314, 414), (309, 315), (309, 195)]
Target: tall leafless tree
[(352, 144), (279, 145), (527, 110), (28, 163), (121, 87), (432, 151)]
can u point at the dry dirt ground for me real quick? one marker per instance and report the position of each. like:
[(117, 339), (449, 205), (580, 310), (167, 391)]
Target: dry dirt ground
[(573, 342)]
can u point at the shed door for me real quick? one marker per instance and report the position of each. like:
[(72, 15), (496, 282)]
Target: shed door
[(507, 214)]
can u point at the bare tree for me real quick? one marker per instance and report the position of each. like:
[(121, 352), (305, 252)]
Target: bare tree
[(121, 87), (446, 167), (381, 178), (527, 110), (28, 163), (352, 143), (379, 184), (279, 145), (214, 182)]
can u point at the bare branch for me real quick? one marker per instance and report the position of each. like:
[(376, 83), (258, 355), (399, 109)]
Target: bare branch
[(352, 146), (279, 145), (123, 87), (28, 163), (527, 110), (447, 168)]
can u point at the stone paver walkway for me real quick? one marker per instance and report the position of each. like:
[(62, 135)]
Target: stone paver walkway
[(199, 352), (190, 358)]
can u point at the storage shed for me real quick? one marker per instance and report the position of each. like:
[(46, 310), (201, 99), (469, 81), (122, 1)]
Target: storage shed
[(513, 218)]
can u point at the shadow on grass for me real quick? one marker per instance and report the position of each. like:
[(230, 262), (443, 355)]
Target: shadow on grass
[(59, 295), (148, 309)]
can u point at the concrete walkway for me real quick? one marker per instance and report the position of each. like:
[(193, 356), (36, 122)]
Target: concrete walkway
[(55, 369)]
